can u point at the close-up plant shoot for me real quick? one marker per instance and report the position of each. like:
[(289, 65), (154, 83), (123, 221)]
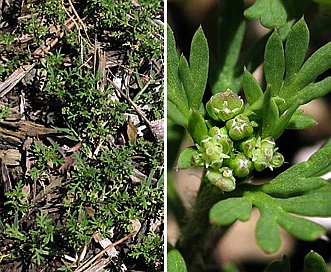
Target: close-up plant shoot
[(237, 119)]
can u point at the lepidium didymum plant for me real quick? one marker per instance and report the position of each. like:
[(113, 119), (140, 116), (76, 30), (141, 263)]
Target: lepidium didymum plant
[(236, 136)]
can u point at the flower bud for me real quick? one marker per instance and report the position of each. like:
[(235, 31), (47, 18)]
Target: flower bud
[(222, 178), (277, 160), (264, 154), (241, 165), (239, 127), (224, 106), (248, 146)]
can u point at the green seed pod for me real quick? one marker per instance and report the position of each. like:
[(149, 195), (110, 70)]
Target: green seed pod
[(222, 178), (239, 127), (224, 106)]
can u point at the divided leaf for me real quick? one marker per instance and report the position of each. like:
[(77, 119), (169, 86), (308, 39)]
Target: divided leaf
[(300, 121), (252, 88), (271, 12), (267, 232), (296, 47), (199, 65), (176, 94), (274, 63), (224, 72), (228, 211), (197, 126)]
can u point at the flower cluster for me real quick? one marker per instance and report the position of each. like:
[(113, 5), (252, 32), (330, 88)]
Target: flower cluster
[(233, 150)]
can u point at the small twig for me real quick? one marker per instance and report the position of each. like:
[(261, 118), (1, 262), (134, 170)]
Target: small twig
[(89, 262), (14, 78), (137, 109)]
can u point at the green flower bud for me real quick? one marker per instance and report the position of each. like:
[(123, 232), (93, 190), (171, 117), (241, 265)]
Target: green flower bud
[(222, 178), (248, 146), (239, 127), (219, 132), (224, 106), (197, 160), (264, 154), (277, 160), (241, 165), (212, 152)]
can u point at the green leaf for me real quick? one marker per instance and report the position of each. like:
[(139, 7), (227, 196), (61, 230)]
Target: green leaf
[(314, 203), (314, 263), (318, 164), (283, 120), (270, 114), (317, 64), (300, 121), (199, 65), (307, 94), (176, 93), (296, 48), (224, 73), (175, 114), (271, 12), (274, 63), (282, 265), (252, 88), (227, 211), (185, 158), (175, 262), (301, 228), (294, 186), (197, 126), (187, 81), (267, 232)]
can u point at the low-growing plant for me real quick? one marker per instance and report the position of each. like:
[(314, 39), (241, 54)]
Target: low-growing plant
[(236, 137)]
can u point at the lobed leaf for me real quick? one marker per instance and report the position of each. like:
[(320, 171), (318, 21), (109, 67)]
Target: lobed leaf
[(175, 91), (199, 65), (274, 63), (271, 12), (187, 81), (270, 114), (267, 232), (252, 88), (299, 227), (318, 63), (314, 203), (176, 115), (175, 261), (197, 126), (296, 47), (228, 211), (318, 164), (294, 186), (224, 73), (300, 121)]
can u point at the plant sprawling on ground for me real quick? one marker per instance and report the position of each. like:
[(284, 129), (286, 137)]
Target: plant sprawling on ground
[(80, 135)]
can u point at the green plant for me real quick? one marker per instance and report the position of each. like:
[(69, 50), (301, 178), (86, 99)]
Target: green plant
[(235, 137), (78, 180)]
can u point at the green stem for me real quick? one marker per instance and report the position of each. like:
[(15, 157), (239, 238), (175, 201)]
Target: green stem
[(198, 237)]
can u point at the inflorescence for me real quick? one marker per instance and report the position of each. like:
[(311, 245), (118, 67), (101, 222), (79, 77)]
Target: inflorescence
[(235, 149)]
